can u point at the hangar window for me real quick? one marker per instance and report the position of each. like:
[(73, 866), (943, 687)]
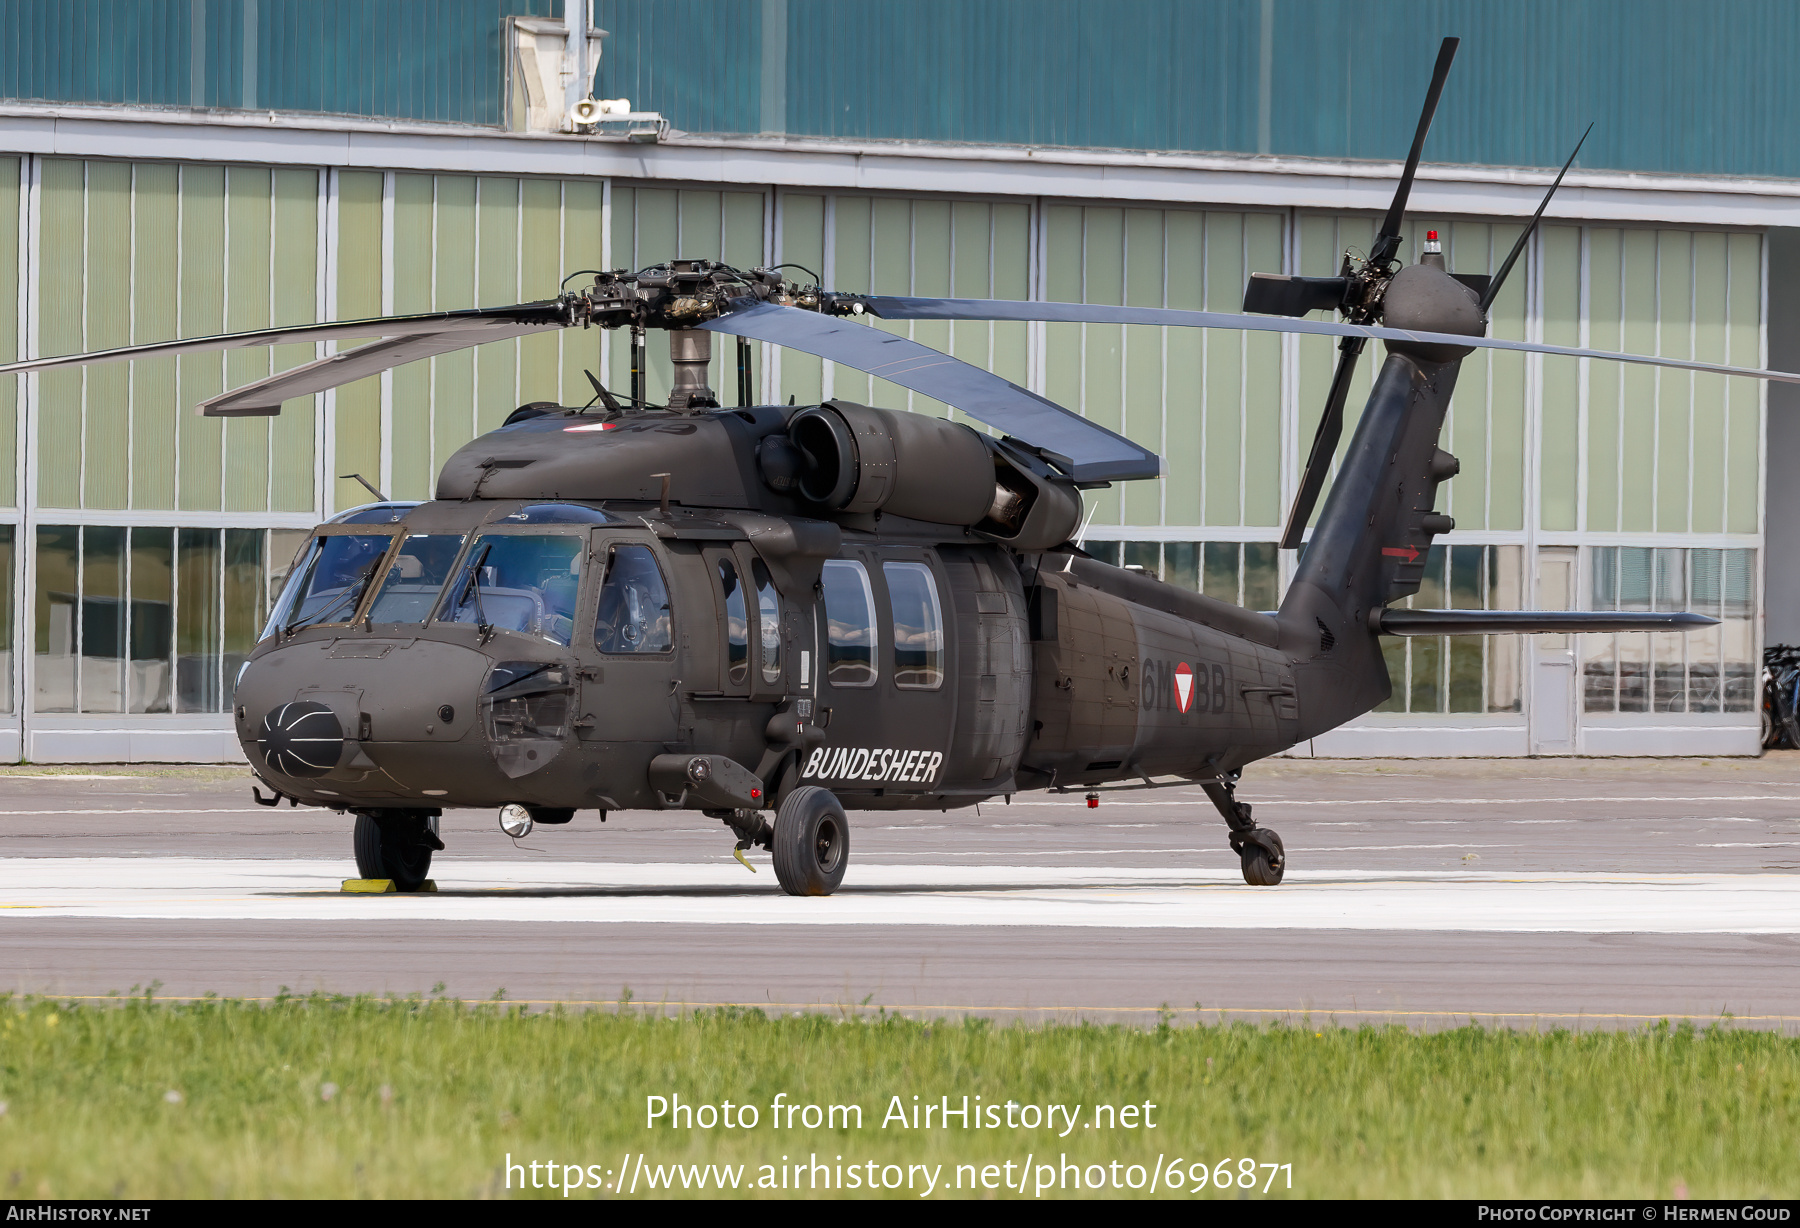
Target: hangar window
[(634, 604), (918, 626), (850, 624), (155, 619), (1460, 673), (1713, 669)]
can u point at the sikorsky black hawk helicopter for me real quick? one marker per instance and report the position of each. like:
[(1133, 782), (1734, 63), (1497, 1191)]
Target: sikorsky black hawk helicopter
[(807, 609)]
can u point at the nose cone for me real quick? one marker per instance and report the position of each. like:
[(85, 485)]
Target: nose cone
[(301, 739)]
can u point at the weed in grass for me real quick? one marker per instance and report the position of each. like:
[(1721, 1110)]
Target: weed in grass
[(323, 1096)]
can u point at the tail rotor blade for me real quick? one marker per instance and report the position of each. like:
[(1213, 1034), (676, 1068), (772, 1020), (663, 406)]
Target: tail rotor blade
[(1325, 442), (1386, 238), (1493, 289)]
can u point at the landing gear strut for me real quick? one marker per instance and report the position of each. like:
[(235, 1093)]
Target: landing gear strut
[(1264, 860)]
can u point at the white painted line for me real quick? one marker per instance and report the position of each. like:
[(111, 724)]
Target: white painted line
[(48, 813), (1442, 801), (213, 890)]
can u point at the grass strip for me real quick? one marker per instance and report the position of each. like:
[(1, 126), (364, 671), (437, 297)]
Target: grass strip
[(318, 1096)]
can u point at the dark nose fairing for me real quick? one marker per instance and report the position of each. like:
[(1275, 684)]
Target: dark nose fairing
[(390, 716)]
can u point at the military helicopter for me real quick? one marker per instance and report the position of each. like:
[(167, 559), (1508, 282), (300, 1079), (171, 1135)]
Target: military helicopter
[(778, 614)]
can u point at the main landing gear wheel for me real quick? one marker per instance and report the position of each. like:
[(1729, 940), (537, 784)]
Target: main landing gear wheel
[(812, 842), (1263, 866), (396, 844)]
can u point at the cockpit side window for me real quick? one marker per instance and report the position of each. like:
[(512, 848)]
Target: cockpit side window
[(850, 624), (633, 615)]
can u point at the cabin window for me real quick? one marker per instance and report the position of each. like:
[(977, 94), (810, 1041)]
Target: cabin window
[(329, 583), (850, 624), (524, 582), (737, 625), (415, 578), (918, 626), (768, 621), (634, 604)]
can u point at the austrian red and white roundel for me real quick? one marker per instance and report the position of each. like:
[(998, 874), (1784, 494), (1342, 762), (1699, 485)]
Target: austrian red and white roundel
[(1184, 686)]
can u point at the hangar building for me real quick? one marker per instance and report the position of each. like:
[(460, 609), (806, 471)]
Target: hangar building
[(184, 167)]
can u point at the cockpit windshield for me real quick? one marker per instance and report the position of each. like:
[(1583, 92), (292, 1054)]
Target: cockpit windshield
[(526, 582), (329, 581), (415, 578)]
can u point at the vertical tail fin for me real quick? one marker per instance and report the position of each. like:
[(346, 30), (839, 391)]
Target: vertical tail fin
[(1371, 542)]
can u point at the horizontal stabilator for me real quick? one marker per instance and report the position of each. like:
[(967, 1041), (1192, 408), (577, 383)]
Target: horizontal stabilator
[(1532, 622)]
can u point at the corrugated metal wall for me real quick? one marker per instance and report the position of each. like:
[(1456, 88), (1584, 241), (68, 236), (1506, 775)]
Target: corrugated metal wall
[(437, 60), (1672, 85)]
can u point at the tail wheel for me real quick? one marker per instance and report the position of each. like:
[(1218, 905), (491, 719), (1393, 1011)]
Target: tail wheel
[(812, 842), (395, 844)]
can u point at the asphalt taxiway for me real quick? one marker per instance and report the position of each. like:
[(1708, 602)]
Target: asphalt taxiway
[(1569, 892)]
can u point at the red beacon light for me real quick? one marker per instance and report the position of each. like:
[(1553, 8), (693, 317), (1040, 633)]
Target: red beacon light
[(1431, 243)]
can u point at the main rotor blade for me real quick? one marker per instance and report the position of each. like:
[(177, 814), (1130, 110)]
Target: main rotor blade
[(477, 321), (1390, 225), (264, 397), (1087, 451), (1325, 441), (1099, 313), (1493, 287)]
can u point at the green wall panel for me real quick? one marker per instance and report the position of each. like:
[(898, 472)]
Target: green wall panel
[(414, 238), (1637, 411), (357, 417), (540, 271), (1674, 411), (802, 239), (61, 291), (249, 242), (1224, 379), (1185, 356), (106, 429), (294, 262), (1262, 382), (201, 440), (1560, 429), (453, 375), (584, 237), (1711, 281), (1606, 331), (497, 283), (156, 408), (11, 199), (1744, 451)]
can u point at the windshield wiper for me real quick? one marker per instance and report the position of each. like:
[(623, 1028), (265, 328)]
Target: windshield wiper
[(472, 587), (352, 594)]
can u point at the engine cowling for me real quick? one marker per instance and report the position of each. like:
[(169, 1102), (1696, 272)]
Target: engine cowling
[(846, 459)]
